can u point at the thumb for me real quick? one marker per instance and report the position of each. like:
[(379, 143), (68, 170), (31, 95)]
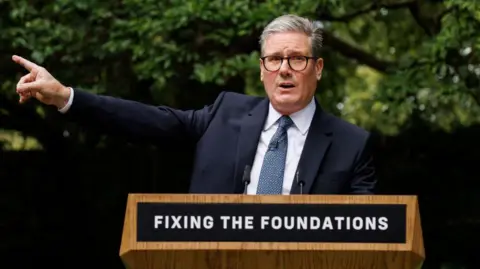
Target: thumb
[(29, 87)]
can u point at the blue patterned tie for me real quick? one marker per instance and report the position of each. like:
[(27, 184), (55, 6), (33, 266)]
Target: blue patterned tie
[(271, 175)]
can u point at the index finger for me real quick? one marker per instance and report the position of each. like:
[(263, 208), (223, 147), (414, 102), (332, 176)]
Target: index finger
[(24, 62)]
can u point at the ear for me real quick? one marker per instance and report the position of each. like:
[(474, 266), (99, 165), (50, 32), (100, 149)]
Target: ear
[(261, 70), (319, 68)]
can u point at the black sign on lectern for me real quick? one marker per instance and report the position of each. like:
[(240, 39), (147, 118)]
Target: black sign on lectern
[(342, 223)]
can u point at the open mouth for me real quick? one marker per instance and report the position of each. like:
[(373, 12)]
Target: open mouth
[(286, 85)]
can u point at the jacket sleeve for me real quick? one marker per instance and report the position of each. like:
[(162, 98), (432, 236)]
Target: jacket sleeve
[(364, 175), (138, 121)]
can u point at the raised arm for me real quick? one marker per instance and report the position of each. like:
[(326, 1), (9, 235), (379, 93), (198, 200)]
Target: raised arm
[(112, 115), (137, 120)]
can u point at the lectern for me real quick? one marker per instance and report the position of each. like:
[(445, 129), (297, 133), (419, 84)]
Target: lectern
[(196, 231)]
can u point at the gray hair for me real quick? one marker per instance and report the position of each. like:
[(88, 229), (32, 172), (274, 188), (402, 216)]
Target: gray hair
[(294, 23)]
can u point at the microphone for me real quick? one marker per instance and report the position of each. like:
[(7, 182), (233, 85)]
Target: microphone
[(246, 177), (299, 182)]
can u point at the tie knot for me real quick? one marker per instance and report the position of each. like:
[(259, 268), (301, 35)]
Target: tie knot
[(285, 122)]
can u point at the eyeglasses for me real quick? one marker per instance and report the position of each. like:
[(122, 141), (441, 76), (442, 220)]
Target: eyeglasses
[(297, 63)]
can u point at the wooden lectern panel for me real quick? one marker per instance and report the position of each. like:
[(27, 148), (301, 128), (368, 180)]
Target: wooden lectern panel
[(149, 254)]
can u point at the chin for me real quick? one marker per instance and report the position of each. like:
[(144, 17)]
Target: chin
[(286, 103), (287, 95)]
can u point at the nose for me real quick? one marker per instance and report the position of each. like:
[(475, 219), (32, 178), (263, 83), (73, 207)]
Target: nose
[(284, 67)]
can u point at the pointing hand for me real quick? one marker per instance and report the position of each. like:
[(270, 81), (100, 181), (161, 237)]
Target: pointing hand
[(41, 85)]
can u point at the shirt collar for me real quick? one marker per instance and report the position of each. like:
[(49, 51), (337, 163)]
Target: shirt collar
[(301, 119)]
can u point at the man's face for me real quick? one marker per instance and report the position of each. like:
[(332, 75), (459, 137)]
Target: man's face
[(289, 90)]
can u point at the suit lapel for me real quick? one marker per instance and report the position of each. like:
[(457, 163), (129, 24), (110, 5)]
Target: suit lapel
[(250, 129), (316, 146)]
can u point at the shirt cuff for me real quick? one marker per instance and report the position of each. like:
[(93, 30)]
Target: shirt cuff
[(68, 104)]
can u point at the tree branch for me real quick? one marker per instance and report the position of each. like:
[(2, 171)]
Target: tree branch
[(373, 7), (352, 52)]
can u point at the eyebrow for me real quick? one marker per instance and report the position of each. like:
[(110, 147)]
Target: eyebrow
[(293, 52)]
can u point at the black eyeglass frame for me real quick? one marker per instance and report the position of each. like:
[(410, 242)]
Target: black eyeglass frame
[(307, 58)]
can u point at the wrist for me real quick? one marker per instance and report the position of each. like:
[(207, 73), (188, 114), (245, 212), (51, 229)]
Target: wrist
[(63, 97)]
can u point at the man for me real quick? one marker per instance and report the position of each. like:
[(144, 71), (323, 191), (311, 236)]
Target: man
[(283, 144)]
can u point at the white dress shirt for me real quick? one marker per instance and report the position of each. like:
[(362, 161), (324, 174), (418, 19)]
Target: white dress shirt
[(297, 135)]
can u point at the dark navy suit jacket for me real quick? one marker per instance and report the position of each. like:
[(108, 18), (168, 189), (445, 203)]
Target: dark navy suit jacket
[(336, 158)]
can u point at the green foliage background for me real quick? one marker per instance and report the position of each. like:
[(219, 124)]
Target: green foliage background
[(387, 62)]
